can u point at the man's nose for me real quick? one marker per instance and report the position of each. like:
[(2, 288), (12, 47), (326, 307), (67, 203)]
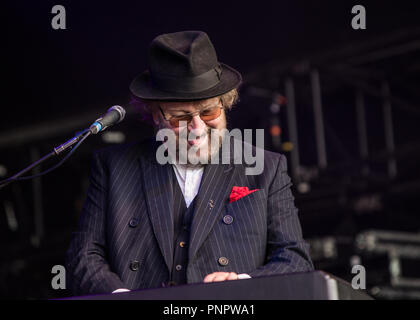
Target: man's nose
[(196, 124)]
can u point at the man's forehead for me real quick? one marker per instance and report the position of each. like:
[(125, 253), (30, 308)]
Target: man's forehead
[(188, 105)]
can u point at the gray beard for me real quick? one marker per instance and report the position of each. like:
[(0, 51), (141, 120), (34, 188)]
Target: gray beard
[(191, 158)]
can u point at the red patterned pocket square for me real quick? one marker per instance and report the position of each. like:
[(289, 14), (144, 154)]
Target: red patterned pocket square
[(239, 192)]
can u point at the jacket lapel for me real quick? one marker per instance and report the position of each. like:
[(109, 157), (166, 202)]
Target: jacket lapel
[(216, 184), (158, 190)]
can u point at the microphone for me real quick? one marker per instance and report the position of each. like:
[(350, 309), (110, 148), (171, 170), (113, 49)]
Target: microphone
[(114, 115)]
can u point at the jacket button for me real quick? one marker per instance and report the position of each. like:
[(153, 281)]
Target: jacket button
[(227, 219), (223, 261), (134, 265), (133, 222)]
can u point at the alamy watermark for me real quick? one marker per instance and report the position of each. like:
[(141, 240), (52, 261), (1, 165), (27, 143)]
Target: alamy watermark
[(224, 147), (59, 20), (359, 280), (359, 20), (59, 280)]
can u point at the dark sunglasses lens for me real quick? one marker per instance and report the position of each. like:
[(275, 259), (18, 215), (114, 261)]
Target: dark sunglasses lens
[(210, 114), (176, 122), (206, 115)]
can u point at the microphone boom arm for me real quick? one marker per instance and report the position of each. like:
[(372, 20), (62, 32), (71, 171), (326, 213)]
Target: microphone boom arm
[(114, 115), (79, 138)]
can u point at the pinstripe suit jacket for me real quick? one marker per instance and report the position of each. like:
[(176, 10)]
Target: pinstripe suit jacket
[(127, 217)]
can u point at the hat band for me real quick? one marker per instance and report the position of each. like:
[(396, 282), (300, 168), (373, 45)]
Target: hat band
[(199, 83)]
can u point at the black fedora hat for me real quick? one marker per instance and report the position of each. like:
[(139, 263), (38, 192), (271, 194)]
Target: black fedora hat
[(183, 66)]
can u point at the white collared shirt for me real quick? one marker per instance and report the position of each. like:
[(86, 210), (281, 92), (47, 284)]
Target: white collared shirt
[(189, 179)]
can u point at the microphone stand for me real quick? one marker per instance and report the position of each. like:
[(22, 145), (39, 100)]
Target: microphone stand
[(79, 138), (114, 115)]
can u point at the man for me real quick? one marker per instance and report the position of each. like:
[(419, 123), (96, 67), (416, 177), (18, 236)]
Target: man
[(147, 224)]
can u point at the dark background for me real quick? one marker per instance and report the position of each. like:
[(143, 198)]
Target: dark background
[(56, 82)]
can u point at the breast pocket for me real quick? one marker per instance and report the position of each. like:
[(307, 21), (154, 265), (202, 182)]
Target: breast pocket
[(247, 217)]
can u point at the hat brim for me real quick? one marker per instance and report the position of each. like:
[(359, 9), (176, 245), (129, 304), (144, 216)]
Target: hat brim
[(142, 88)]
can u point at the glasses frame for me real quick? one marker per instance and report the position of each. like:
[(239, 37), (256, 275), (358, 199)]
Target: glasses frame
[(192, 114)]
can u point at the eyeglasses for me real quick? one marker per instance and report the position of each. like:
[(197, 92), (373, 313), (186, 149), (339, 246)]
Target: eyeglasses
[(207, 114)]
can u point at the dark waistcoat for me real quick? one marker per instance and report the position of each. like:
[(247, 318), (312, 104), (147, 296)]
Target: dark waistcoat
[(182, 223)]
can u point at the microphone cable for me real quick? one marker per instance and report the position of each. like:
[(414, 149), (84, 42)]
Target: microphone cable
[(84, 134)]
